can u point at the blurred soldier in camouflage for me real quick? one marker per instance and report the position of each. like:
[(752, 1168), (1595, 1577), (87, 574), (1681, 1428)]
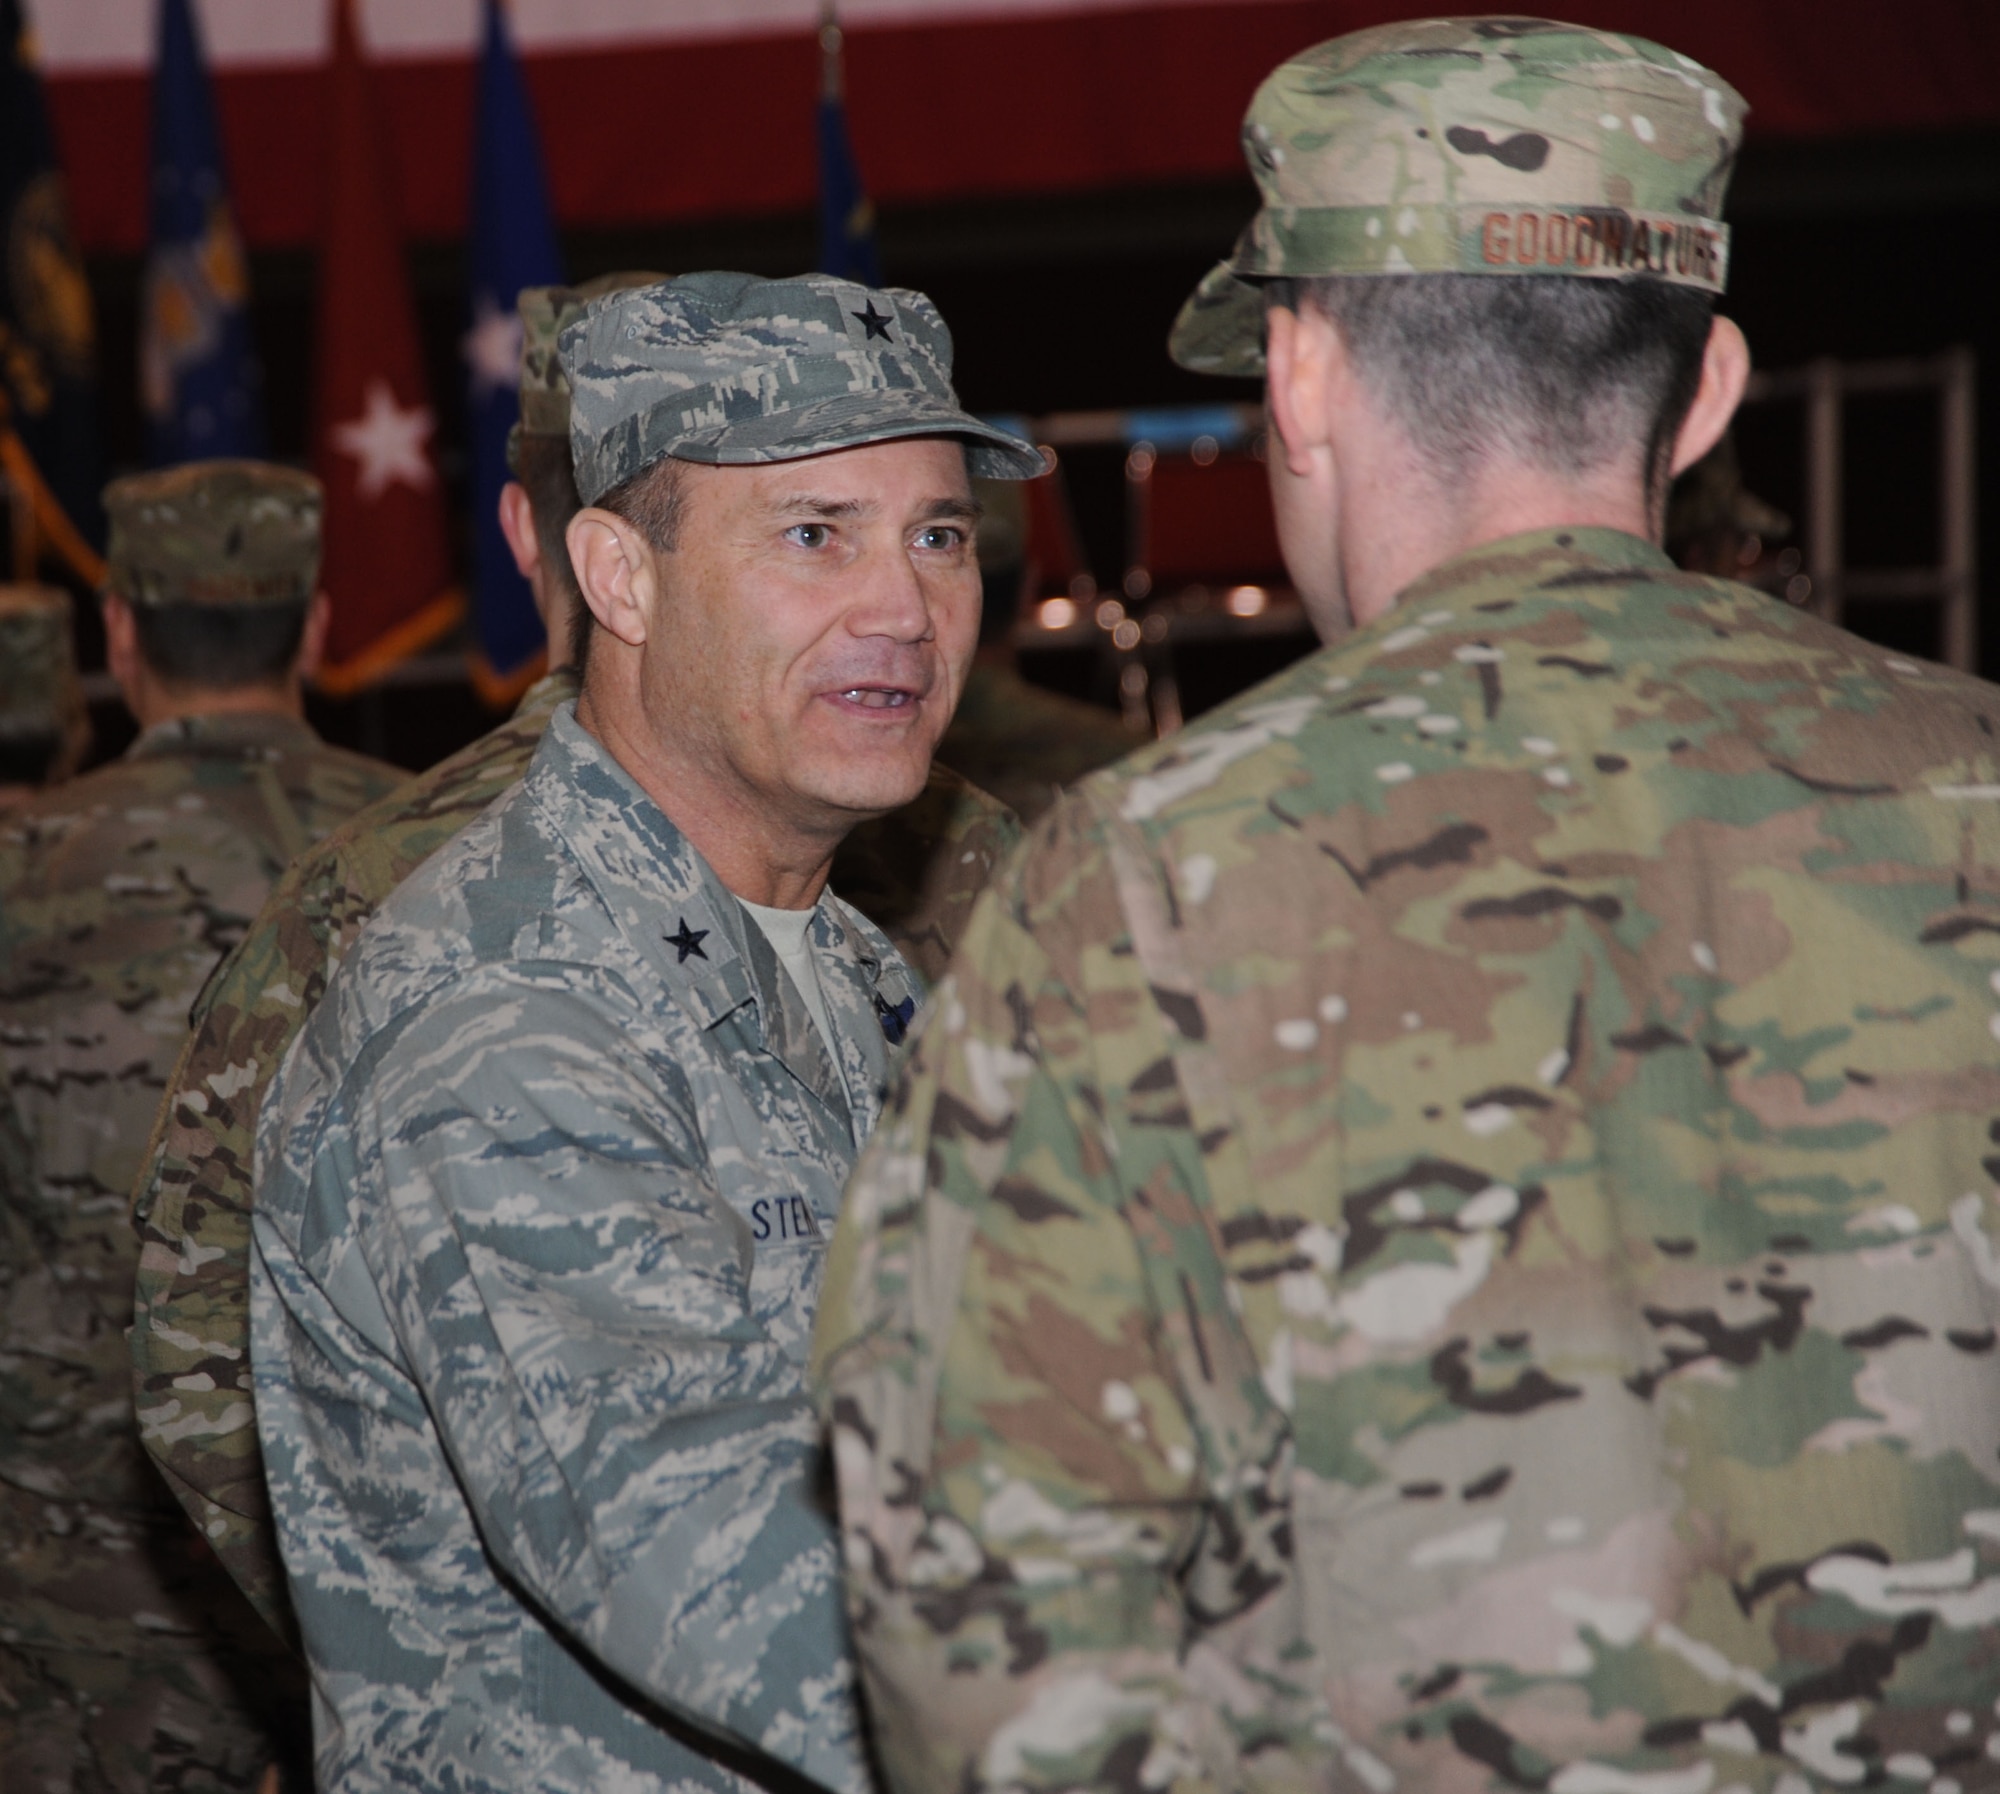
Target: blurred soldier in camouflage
[(544, 1184), (1440, 1233), (1010, 737), (1715, 523), (914, 873), (44, 727), (127, 1660)]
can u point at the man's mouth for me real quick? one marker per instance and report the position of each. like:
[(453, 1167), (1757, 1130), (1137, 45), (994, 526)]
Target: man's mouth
[(878, 697)]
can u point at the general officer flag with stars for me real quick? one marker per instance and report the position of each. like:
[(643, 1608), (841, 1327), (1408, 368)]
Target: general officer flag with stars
[(387, 565), (513, 246), (199, 380), (48, 337), (846, 214)]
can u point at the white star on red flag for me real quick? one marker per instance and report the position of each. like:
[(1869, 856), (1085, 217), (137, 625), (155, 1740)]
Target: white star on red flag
[(388, 442), (492, 348)]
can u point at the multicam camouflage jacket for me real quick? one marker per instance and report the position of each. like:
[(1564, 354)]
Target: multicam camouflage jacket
[(118, 893), (914, 874), (1441, 1231), (543, 1191)]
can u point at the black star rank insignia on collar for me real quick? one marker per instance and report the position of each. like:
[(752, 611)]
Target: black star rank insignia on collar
[(688, 941), (875, 322)]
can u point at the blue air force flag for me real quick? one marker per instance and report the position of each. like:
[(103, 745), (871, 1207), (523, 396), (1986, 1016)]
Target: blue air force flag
[(846, 214), (513, 246), (198, 377)]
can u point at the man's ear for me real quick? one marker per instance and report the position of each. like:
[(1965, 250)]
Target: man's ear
[(121, 639), (1725, 370), (1299, 347), (312, 642), (614, 569), (517, 524)]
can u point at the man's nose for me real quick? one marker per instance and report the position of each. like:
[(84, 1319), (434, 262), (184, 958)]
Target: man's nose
[(893, 599)]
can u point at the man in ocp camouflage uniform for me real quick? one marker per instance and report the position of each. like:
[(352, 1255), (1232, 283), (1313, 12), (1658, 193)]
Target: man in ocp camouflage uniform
[(127, 1661), (1440, 1232), (543, 1185), (914, 873), (44, 727)]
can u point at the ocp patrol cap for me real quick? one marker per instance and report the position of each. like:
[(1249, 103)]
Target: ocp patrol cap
[(38, 683), (545, 312), (225, 533), (1497, 146), (731, 370)]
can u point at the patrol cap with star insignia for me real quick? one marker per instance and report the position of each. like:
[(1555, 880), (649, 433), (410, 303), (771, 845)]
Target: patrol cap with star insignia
[(1498, 146), (214, 532), (544, 313), (732, 370)]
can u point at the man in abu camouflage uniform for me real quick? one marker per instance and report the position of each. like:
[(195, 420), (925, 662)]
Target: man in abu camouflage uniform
[(127, 1660), (914, 873), (44, 727), (1440, 1232), (190, 1335), (543, 1185)]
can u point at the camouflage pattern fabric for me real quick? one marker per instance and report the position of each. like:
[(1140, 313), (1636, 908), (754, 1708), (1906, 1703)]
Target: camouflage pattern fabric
[(238, 533), (1024, 744), (1498, 146), (915, 874), (732, 370), (120, 1640), (37, 661), (190, 1341), (545, 313), (543, 1191), (1441, 1231)]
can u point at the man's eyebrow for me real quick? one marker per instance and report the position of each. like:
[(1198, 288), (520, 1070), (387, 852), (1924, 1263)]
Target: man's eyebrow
[(959, 510), (792, 503)]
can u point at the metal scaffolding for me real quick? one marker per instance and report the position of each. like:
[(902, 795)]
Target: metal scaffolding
[(1824, 387)]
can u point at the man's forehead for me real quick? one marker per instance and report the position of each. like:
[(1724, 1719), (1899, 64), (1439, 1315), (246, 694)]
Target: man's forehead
[(919, 470)]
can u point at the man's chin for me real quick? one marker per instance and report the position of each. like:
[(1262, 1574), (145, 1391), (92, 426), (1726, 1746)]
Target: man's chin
[(861, 788)]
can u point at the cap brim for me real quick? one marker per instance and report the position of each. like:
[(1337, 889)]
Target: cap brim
[(1220, 329), (856, 419)]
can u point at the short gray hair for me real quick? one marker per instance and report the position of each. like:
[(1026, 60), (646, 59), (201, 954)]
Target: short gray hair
[(1562, 374)]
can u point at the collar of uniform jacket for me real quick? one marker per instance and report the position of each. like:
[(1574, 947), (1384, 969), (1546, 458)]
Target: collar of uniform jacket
[(683, 921), (1570, 558), (236, 732)]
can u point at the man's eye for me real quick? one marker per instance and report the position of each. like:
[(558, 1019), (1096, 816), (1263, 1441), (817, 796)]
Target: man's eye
[(941, 537), (809, 535)]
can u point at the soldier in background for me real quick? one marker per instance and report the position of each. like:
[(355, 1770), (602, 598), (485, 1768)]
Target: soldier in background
[(914, 873), (44, 725), (1440, 1232), (127, 1661), (543, 1185), (1716, 524), (1017, 740)]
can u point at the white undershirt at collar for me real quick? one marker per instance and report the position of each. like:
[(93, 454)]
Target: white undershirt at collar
[(789, 932)]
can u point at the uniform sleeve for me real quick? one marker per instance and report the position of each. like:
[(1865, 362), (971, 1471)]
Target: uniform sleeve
[(575, 1303), (190, 1338), (1022, 1355)]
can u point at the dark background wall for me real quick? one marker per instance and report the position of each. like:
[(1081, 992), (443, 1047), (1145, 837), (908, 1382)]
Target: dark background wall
[(1857, 249)]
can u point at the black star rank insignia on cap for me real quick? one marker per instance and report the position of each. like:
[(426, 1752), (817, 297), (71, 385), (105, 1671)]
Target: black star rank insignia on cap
[(875, 322), (688, 941)]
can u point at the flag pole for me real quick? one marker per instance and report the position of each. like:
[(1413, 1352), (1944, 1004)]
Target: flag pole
[(43, 506), (831, 85)]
